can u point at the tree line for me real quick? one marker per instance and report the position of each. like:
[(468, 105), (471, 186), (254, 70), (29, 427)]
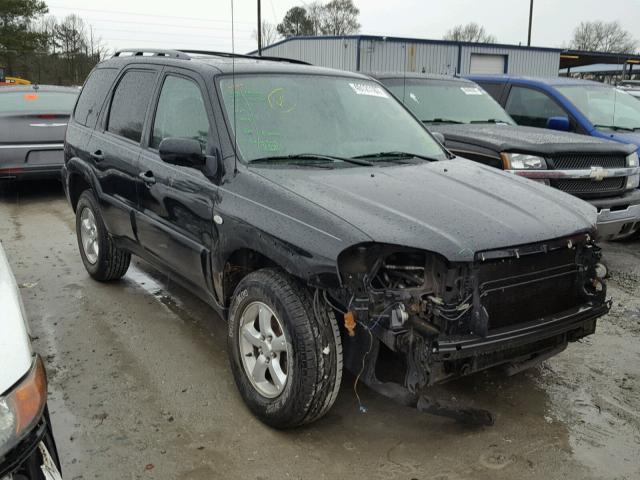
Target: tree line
[(43, 48)]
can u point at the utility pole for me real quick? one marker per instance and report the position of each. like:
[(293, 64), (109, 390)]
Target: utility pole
[(260, 29), (530, 20)]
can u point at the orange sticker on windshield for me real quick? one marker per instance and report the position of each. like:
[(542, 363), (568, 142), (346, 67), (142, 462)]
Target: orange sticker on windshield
[(30, 96)]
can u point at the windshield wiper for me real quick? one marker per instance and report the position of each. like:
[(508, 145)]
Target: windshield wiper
[(441, 120), (616, 128), (310, 156), (490, 120), (398, 155)]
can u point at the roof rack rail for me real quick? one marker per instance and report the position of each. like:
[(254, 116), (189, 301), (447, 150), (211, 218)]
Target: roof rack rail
[(239, 55), (153, 52)]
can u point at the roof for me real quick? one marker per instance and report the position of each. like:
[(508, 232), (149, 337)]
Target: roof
[(407, 40), (602, 68), (419, 76), (555, 81), (578, 58), (223, 63)]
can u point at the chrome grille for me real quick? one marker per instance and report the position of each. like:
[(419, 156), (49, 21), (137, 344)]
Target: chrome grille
[(580, 161), (590, 187)]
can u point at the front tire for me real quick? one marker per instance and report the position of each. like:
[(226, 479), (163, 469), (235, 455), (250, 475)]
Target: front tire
[(102, 259), (284, 348)]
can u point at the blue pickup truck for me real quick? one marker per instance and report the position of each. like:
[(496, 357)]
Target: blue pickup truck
[(569, 104)]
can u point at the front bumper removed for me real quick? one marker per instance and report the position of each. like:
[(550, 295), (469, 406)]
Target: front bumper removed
[(515, 348)]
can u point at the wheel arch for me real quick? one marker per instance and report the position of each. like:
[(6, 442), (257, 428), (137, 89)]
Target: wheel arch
[(79, 179), (244, 260)]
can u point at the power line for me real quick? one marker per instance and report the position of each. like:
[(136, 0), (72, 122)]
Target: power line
[(149, 32), (171, 45), (94, 20), (121, 12)]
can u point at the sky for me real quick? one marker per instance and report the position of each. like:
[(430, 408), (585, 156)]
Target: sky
[(207, 24)]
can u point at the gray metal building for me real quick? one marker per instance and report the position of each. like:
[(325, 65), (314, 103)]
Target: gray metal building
[(366, 53)]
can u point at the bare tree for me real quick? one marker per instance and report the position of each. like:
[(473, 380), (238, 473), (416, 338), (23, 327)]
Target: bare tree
[(340, 17), (316, 14), (269, 34), (71, 35), (46, 27), (603, 37), (471, 32)]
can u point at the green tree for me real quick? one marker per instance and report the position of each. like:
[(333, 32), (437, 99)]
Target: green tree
[(295, 23), (16, 36)]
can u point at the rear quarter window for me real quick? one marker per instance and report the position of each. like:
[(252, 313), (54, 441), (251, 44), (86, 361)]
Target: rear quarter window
[(92, 96)]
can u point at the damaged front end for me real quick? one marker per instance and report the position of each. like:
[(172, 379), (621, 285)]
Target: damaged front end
[(415, 319)]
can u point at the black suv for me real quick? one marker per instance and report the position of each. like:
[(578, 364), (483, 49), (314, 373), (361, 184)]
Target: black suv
[(326, 224)]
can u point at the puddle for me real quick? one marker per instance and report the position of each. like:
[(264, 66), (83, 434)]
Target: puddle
[(598, 403)]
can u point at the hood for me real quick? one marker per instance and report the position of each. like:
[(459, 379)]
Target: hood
[(454, 207), (15, 347), (506, 138), (625, 137)]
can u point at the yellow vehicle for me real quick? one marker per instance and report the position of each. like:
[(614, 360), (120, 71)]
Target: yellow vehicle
[(5, 81)]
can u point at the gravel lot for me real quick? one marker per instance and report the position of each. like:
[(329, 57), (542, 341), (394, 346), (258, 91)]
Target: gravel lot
[(140, 386)]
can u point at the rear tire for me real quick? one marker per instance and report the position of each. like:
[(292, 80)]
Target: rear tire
[(102, 259), (311, 361)]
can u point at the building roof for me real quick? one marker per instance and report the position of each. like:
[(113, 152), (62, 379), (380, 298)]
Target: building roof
[(406, 40), (601, 68), (578, 58)]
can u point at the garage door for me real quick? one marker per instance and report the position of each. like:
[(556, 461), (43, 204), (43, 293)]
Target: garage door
[(482, 63)]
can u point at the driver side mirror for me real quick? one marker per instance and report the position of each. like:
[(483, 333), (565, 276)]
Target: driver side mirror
[(184, 152), (559, 123)]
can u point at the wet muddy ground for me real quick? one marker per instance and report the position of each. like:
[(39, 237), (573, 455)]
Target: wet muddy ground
[(140, 386)]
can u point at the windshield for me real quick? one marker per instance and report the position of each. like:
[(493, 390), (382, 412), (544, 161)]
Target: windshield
[(447, 102), (37, 102), (283, 115), (605, 106)]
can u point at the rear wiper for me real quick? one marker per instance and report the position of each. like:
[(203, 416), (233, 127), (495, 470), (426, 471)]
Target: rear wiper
[(490, 120), (616, 128), (398, 155), (310, 156), (441, 120)]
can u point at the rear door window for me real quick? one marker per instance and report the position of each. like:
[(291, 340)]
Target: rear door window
[(93, 94), (130, 102), (532, 107), (181, 112)]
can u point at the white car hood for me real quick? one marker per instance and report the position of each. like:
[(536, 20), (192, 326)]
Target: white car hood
[(15, 345)]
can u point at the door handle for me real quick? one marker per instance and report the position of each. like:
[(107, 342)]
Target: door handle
[(147, 177), (98, 156)]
